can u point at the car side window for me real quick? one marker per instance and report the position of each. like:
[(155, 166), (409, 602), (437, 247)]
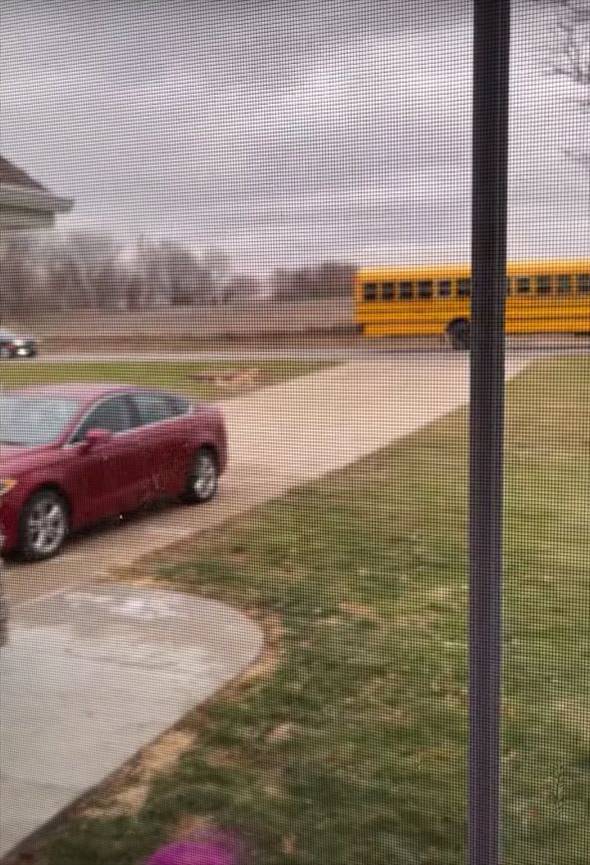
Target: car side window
[(178, 405), (152, 407), (113, 415)]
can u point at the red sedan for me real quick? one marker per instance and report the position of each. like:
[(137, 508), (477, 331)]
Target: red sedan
[(73, 455)]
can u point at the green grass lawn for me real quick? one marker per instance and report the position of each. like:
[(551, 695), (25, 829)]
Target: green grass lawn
[(181, 376), (347, 744)]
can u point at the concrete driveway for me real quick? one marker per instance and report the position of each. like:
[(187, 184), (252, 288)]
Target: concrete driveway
[(280, 437), (90, 676)]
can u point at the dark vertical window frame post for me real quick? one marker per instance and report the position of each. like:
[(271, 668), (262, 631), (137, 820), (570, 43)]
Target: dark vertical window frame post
[(488, 250)]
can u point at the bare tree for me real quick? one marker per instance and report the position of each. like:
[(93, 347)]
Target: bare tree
[(82, 270), (15, 274), (242, 288), (570, 52), (330, 279), (217, 264), (94, 255), (189, 279), (572, 57)]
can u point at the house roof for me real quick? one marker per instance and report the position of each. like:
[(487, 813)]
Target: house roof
[(26, 203), (9, 173)]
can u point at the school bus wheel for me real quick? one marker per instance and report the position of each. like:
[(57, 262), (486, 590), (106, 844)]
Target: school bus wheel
[(459, 334)]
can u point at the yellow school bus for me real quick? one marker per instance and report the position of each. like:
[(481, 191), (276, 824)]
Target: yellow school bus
[(541, 297)]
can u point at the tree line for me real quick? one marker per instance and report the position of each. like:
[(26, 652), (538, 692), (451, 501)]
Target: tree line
[(82, 270)]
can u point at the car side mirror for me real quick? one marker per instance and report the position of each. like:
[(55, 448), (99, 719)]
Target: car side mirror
[(96, 437)]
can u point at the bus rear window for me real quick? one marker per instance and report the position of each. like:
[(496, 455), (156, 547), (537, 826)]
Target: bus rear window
[(463, 287), (543, 285), (387, 290), (425, 288), (445, 288), (584, 283), (564, 284), (406, 290), (370, 291)]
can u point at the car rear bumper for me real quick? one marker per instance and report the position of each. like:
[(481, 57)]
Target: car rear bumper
[(222, 457), (28, 350), (222, 448)]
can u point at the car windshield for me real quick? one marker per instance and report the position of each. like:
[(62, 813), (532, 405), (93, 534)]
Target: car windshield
[(30, 421), (6, 334)]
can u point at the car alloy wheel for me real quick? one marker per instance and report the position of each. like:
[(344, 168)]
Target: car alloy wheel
[(203, 478), (44, 525)]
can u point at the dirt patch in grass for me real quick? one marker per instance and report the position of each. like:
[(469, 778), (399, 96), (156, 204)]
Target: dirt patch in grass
[(129, 792), (231, 380), (191, 824), (198, 380), (360, 611)]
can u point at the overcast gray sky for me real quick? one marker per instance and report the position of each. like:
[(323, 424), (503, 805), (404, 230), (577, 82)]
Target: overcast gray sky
[(284, 132)]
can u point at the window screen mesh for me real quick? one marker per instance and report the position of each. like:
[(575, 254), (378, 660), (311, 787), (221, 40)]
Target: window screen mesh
[(239, 626)]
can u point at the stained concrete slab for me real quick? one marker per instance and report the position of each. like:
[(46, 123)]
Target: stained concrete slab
[(90, 676)]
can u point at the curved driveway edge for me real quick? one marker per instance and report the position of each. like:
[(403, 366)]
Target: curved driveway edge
[(92, 675)]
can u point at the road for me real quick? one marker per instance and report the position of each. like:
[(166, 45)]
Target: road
[(280, 437), (528, 346)]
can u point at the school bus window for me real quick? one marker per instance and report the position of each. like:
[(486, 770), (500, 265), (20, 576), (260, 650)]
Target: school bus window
[(425, 288), (444, 288), (463, 287), (405, 290), (523, 285), (564, 284), (584, 283), (543, 285), (370, 291), (387, 290)]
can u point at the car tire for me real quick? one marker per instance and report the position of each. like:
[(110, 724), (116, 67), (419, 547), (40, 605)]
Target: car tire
[(5, 352), (203, 477), (44, 525), (459, 334)]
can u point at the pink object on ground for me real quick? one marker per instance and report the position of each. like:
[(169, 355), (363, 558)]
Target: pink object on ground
[(212, 849)]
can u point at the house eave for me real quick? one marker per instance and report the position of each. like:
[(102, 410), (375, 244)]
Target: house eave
[(20, 198)]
